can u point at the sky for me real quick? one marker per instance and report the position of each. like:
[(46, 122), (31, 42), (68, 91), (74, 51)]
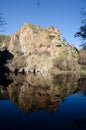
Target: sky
[(62, 14)]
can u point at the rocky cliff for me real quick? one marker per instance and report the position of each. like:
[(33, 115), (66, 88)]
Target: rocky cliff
[(41, 49)]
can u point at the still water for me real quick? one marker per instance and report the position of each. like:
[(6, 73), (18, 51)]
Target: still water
[(36, 103)]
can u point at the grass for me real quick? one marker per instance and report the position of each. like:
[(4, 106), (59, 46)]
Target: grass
[(33, 27)]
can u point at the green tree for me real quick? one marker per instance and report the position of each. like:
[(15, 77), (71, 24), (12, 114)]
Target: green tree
[(82, 30)]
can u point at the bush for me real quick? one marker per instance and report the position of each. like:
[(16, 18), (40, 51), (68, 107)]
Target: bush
[(4, 39), (33, 27)]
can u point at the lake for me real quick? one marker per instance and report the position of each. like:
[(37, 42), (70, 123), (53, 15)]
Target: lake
[(37, 102)]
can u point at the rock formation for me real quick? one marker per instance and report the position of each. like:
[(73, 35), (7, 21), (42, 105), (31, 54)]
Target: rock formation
[(41, 49)]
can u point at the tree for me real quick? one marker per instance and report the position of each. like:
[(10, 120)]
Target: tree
[(82, 30), (2, 22)]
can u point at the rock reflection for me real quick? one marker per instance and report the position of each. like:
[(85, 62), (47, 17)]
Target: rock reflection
[(34, 92), (82, 85)]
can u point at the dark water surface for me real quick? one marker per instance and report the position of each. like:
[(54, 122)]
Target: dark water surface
[(34, 103)]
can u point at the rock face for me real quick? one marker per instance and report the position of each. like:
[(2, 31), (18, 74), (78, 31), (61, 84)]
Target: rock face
[(42, 49)]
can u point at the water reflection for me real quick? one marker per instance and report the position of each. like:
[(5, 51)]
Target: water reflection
[(82, 85), (34, 92)]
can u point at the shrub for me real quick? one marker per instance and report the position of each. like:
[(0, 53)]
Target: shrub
[(33, 27), (4, 39)]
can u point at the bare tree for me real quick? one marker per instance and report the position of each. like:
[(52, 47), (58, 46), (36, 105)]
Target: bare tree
[(2, 22), (37, 3)]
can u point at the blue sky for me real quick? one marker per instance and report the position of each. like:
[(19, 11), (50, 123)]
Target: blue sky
[(62, 14)]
